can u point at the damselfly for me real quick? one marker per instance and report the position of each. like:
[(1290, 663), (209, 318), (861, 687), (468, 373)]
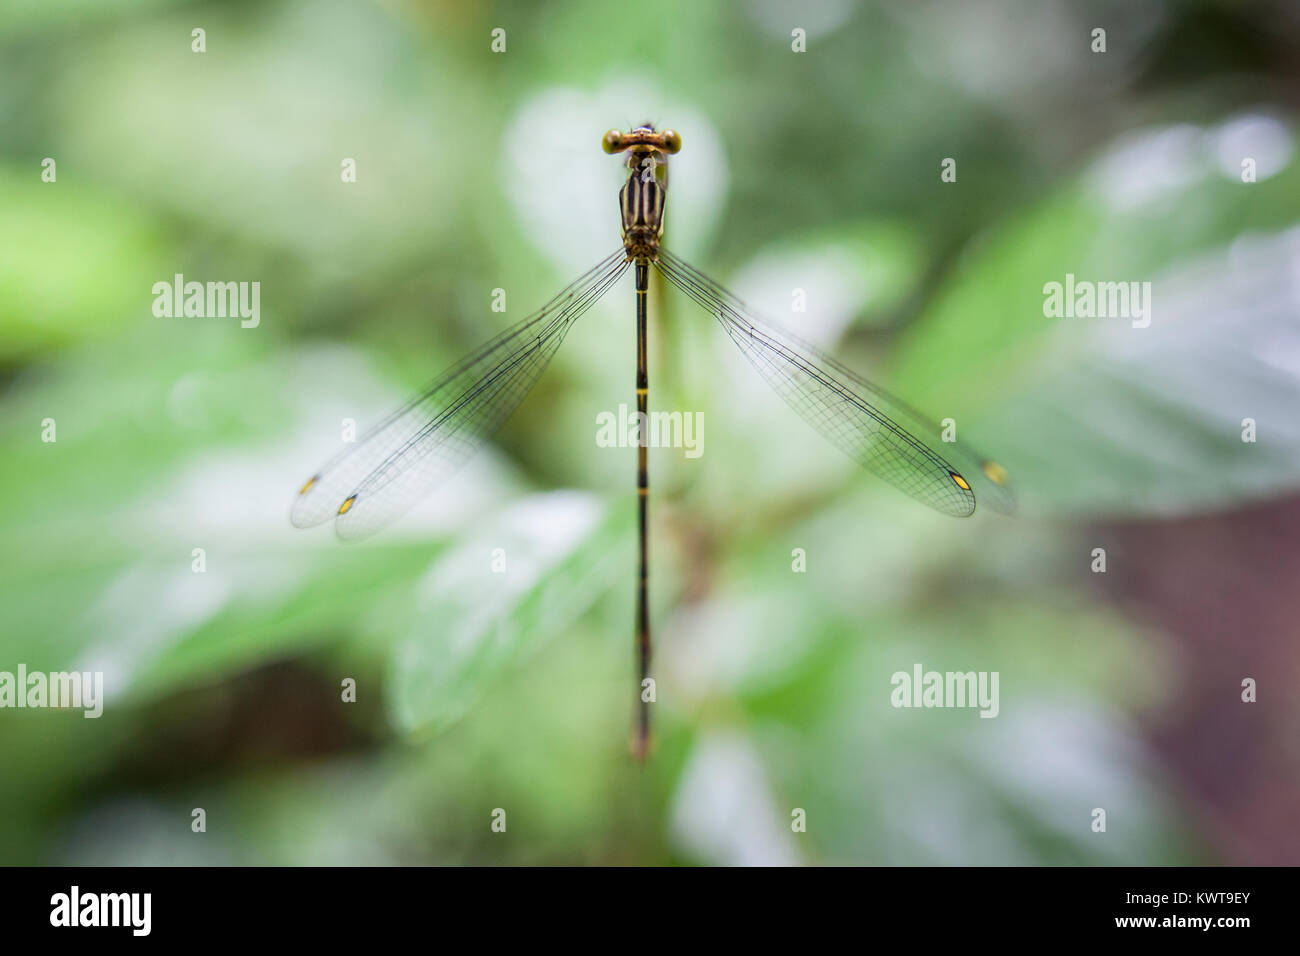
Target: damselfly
[(418, 445)]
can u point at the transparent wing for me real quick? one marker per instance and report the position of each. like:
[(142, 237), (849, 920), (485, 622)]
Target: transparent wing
[(877, 430), (407, 454)]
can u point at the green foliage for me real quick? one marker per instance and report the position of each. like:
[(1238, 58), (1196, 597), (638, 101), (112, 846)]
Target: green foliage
[(480, 688)]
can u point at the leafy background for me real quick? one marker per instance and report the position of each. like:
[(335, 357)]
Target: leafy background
[(819, 171)]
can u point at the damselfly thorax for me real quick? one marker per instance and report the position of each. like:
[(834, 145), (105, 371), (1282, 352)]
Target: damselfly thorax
[(641, 200)]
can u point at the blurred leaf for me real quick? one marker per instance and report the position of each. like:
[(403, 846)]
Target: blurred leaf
[(986, 331), (860, 267), (77, 264), (945, 786), (19, 15), (1100, 415), (256, 151), (724, 813), (1154, 421), (557, 552)]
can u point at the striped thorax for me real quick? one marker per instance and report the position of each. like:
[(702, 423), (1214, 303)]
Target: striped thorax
[(641, 200)]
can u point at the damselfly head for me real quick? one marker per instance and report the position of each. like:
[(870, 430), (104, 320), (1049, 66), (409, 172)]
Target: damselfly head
[(643, 139)]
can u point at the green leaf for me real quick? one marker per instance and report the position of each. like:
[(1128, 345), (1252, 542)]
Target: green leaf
[(79, 266), (554, 552), (1100, 416), (1195, 412)]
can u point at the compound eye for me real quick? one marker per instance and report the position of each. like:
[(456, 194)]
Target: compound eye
[(612, 141), (672, 140)]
